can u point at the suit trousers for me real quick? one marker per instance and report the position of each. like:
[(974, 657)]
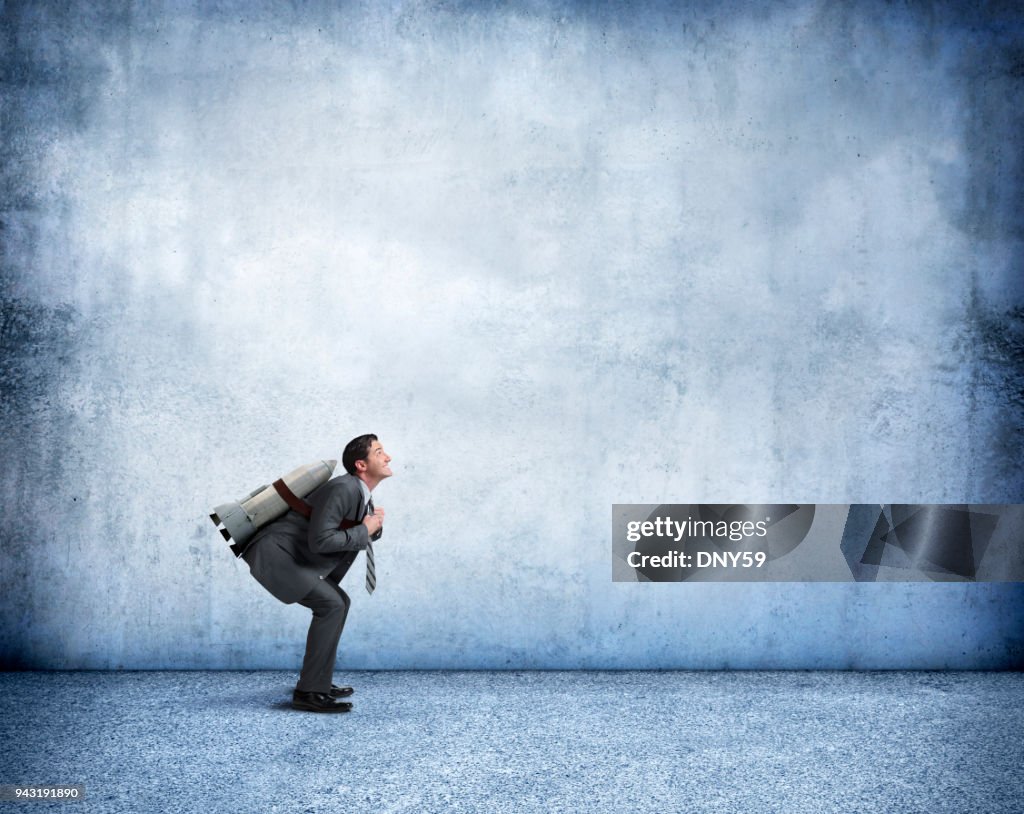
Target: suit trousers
[(330, 605)]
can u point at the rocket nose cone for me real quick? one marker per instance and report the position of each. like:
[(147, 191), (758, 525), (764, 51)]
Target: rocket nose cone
[(333, 464)]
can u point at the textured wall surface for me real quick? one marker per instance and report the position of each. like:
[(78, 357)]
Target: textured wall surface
[(557, 258)]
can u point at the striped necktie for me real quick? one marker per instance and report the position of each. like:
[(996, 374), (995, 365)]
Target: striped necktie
[(371, 571)]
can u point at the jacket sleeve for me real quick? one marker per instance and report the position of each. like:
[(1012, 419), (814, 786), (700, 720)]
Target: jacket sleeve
[(329, 509)]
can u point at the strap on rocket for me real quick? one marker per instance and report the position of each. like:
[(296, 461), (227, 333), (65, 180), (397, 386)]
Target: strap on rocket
[(294, 502), (302, 507)]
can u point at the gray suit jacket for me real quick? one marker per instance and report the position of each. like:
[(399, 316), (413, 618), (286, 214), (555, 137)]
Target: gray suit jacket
[(289, 556)]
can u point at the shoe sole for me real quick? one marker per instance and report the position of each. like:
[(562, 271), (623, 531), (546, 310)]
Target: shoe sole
[(311, 708)]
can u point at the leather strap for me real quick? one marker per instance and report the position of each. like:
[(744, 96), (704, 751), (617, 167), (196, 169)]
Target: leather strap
[(294, 503), (298, 504)]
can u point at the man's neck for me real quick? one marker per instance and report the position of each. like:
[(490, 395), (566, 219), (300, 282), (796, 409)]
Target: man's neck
[(371, 484)]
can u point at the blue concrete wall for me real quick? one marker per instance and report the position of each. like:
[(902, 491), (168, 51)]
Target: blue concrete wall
[(557, 258)]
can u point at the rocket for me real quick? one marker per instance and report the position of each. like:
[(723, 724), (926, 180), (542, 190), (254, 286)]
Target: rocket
[(239, 520)]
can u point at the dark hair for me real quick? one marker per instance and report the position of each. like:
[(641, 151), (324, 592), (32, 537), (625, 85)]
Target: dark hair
[(356, 450)]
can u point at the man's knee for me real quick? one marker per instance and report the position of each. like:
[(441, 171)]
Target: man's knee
[(339, 601), (327, 599)]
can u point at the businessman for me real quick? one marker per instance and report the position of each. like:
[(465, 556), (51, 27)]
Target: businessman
[(300, 559)]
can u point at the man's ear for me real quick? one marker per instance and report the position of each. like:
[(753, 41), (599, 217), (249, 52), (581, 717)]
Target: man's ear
[(358, 467)]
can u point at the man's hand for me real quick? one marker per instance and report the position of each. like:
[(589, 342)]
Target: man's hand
[(374, 521)]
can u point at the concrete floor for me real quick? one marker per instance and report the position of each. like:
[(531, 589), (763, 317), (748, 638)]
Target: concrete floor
[(522, 741)]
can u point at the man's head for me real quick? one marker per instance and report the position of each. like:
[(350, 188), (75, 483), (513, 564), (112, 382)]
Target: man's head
[(365, 458)]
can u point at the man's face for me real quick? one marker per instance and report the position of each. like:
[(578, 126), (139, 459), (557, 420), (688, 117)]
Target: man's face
[(377, 461)]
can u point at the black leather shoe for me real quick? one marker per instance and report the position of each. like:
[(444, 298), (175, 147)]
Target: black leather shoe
[(340, 692), (318, 702)]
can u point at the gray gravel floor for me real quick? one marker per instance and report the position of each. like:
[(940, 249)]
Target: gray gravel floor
[(522, 741)]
